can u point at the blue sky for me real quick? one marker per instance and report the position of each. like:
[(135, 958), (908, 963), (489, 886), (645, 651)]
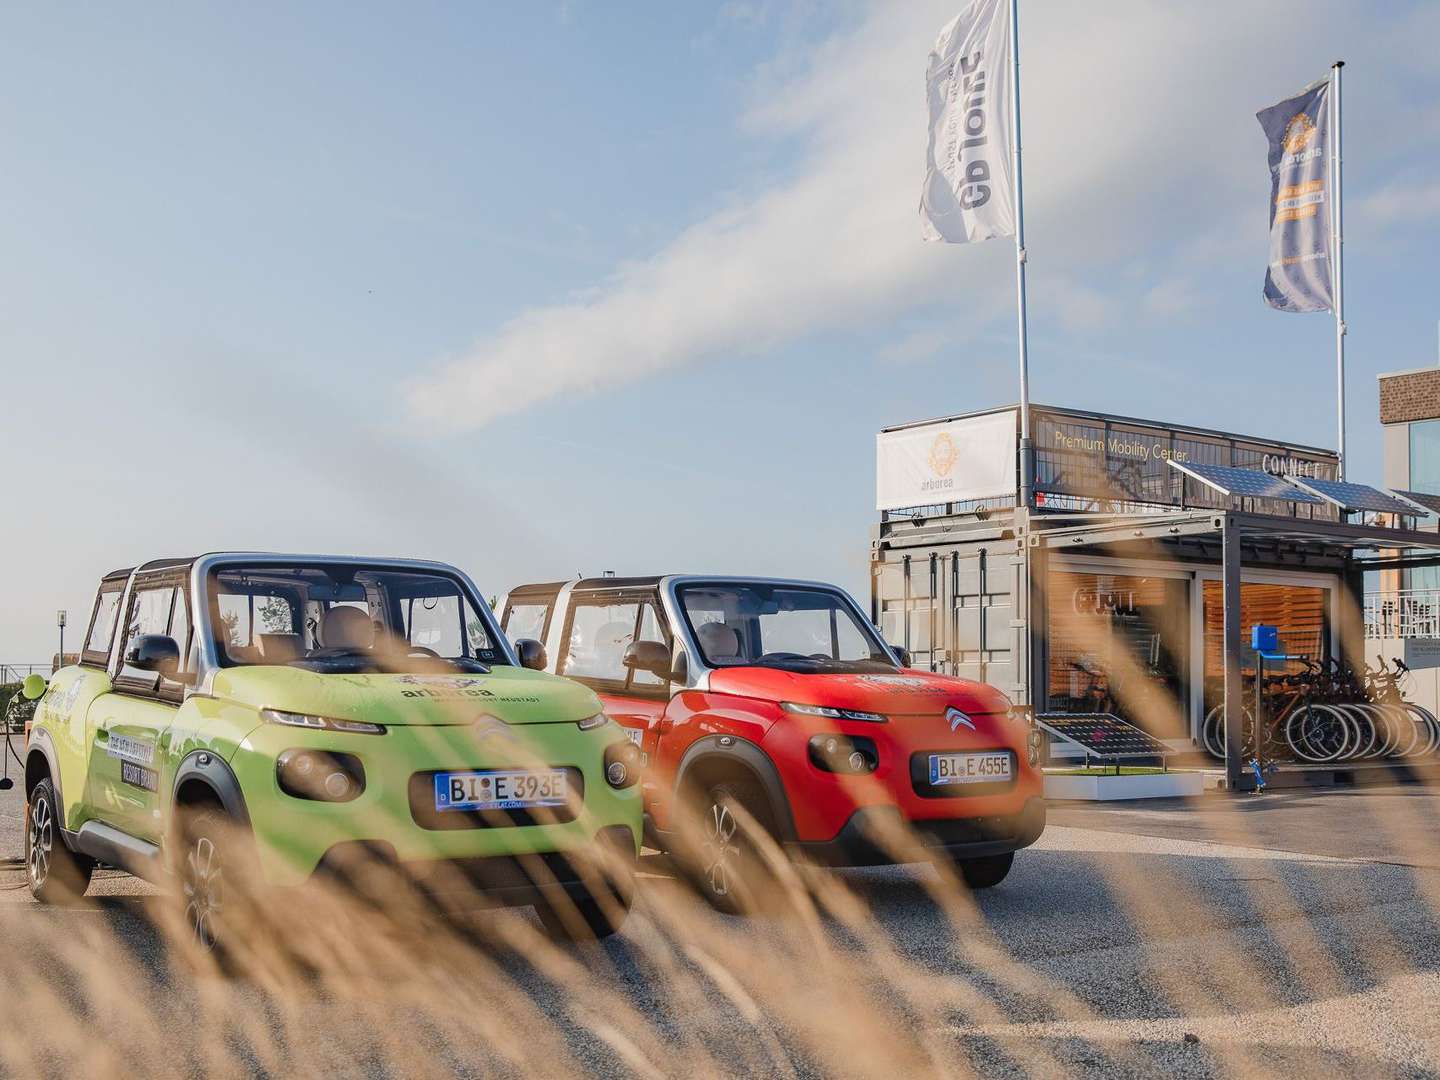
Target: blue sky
[(554, 288)]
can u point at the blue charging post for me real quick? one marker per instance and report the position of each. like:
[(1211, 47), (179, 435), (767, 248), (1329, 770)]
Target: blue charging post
[(1265, 640)]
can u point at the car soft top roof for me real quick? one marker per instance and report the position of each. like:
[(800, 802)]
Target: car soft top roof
[(593, 584)]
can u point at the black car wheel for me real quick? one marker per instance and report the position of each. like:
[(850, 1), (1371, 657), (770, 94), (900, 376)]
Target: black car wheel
[(215, 878), (723, 862), (57, 875), (585, 919), (985, 872)]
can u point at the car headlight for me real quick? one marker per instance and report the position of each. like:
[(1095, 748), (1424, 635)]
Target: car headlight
[(832, 713), (590, 723), (321, 723), (849, 755), (320, 775), (622, 764)]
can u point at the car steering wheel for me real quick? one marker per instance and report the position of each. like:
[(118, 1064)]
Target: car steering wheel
[(422, 651)]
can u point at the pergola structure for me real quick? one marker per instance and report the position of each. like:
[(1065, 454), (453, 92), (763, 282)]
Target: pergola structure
[(1235, 539)]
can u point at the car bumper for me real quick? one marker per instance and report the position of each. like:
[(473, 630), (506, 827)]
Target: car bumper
[(858, 843), (489, 881)]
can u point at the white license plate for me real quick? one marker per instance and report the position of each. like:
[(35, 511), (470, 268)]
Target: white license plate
[(501, 789), (991, 768)]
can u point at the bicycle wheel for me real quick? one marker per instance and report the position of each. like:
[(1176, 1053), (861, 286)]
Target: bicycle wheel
[(1213, 732), (1427, 729), (1212, 736), (1404, 733), (1367, 733), (1320, 734)]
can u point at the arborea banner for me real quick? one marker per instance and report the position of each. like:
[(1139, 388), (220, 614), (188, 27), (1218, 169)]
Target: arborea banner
[(1299, 277)]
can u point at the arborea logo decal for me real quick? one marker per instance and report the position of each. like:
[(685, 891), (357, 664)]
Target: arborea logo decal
[(1299, 133), (902, 683), (943, 454), (954, 717)]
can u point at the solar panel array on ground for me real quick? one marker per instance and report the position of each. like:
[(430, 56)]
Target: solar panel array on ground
[(1102, 735), (1244, 483)]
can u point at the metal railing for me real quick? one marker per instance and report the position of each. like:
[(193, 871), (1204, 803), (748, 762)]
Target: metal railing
[(1407, 613), (13, 673)]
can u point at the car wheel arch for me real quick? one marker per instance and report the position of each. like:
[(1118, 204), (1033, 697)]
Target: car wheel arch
[(715, 758), (40, 764), (204, 777)]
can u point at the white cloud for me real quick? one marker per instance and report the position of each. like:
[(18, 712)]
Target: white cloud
[(1139, 136), (1172, 296), (1398, 203), (918, 346)]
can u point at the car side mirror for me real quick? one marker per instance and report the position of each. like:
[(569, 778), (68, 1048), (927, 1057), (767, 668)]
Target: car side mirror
[(531, 653), (154, 652), (33, 688), (680, 670), (652, 657), (903, 653)]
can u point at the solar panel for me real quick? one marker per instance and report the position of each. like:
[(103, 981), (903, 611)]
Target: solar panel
[(1246, 483), (1430, 504), (1354, 496), (1102, 735)]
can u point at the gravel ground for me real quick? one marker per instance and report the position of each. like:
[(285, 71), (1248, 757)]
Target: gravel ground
[(1306, 962)]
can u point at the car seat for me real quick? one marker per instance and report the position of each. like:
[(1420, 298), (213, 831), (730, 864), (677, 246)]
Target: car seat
[(719, 643)]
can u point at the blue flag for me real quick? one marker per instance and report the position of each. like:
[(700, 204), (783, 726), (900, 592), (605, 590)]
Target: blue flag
[(1299, 276)]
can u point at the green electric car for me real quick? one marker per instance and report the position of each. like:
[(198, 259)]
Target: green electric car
[(291, 713)]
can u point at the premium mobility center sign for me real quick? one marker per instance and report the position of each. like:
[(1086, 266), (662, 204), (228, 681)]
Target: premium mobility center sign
[(1091, 456)]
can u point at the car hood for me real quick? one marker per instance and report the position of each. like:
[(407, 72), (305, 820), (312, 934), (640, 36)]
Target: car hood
[(513, 695), (899, 693)]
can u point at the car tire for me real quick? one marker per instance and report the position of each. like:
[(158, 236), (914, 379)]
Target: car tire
[(606, 894), (56, 874), (212, 878), (985, 872), (584, 919), (722, 862)]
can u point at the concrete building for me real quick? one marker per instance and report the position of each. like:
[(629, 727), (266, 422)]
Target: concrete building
[(1403, 606)]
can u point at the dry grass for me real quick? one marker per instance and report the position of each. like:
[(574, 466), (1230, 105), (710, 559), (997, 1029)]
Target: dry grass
[(326, 982)]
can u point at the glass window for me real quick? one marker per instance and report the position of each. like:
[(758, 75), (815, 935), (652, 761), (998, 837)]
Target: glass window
[(790, 627), (102, 627), (1120, 644), (1425, 456), (1298, 612), (433, 622), (180, 629), (651, 629), (149, 614), (599, 634), (526, 621), (348, 618)]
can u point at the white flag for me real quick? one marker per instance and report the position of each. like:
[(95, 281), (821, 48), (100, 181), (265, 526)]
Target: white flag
[(968, 194)]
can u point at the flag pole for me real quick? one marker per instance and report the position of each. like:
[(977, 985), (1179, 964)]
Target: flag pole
[(1027, 448), (1337, 235)]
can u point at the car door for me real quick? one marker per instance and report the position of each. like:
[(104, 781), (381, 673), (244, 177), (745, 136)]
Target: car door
[(599, 626), (129, 727)]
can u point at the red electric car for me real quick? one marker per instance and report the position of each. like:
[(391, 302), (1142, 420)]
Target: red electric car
[(781, 697)]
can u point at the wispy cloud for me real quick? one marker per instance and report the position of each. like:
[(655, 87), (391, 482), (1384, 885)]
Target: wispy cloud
[(1403, 202), (1139, 134)]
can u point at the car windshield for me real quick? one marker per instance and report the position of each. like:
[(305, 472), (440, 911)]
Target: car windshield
[(348, 618), (793, 627)]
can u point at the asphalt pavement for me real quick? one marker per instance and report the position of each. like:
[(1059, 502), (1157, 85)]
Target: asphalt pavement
[(1306, 942)]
